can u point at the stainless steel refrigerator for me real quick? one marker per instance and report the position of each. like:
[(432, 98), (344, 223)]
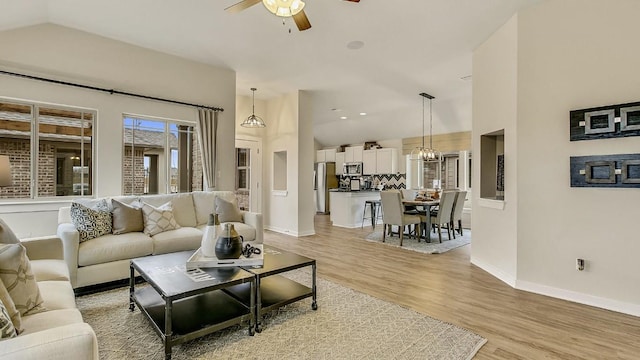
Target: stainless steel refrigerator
[(325, 179)]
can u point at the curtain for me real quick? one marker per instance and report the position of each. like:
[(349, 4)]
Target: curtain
[(208, 131)]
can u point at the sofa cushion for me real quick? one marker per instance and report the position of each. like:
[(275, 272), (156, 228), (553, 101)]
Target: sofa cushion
[(57, 295), (228, 211), (158, 219), (186, 238), (204, 203), (181, 203), (12, 312), (50, 319), (17, 277), (114, 247), (126, 218), (6, 326), (89, 222), (6, 234), (50, 269), (247, 232)]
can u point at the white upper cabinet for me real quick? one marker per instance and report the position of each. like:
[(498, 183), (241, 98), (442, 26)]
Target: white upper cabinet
[(353, 153), (369, 165), (386, 161), (327, 155), (339, 162)]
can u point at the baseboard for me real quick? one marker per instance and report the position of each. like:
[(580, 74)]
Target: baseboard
[(581, 298), (501, 275), (290, 232)]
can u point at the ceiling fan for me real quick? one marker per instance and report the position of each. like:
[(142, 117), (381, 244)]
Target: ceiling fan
[(283, 8)]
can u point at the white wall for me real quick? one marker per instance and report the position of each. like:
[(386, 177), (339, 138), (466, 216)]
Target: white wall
[(53, 51), (572, 54), (494, 245), (285, 132)]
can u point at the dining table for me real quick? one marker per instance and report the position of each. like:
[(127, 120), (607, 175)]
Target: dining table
[(426, 204)]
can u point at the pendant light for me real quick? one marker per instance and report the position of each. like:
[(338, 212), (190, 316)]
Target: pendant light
[(421, 152), (253, 121)]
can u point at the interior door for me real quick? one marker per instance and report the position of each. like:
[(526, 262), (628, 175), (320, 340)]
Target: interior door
[(249, 174)]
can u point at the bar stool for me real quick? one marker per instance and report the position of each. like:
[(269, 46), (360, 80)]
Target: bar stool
[(375, 212)]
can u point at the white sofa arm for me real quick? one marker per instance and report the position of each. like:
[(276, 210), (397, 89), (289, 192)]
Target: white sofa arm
[(254, 220), (44, 247), (70, 244), (74, 341)]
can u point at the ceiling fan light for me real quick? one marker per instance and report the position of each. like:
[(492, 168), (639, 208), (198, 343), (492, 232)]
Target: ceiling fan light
[(284, 8)]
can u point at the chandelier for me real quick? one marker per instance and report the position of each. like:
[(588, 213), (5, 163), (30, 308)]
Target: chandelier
[(421, 152), (253, 121), (283, 8)]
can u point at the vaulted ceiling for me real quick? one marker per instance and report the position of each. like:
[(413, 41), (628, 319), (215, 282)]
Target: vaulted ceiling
[(405, 47)]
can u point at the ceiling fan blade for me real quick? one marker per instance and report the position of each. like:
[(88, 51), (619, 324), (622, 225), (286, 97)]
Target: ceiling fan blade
[(353, 0), (302, 21), (244, 4)]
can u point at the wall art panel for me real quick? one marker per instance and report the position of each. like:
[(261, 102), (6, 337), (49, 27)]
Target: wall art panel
[(605, 122), (606, 171)]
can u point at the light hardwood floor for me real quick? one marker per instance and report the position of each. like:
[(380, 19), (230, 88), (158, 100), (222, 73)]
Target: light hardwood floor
[(517, 324)]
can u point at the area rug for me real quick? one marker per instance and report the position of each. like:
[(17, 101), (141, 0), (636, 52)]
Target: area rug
[(347, 325), (434, 247)]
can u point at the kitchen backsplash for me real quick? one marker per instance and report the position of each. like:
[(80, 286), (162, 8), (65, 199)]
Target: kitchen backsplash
[(391, 181)]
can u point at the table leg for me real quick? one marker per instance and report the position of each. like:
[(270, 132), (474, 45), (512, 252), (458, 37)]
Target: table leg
[(253, 325), (314, 302), (131, 288), (258, 305), (168, 309)]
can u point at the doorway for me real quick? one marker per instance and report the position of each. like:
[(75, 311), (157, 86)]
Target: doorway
[(248, 187)]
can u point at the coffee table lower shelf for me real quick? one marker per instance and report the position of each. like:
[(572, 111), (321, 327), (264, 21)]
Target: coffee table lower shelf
[(192, 316), (275, 291)]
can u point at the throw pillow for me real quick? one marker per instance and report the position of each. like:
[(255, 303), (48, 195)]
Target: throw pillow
[(90, 223), (126, 218), (6, 326), (158, 219), (227, 211), (6, 235), (17, 277), (13, 313)]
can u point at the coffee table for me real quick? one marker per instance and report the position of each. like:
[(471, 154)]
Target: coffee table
[(274, 290), (186, 304)]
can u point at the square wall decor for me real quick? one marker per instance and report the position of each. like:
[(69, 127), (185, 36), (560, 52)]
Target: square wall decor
[(605, 122), (606, 171)]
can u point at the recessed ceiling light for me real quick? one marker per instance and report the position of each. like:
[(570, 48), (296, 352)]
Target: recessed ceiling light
[(343, 117), (363, 113), (355, 45)]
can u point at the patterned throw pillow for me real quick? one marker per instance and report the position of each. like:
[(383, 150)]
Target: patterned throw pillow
[(17, 277), (13, 313), (90, 223), (227, 210), (158, 219), (6, 326)]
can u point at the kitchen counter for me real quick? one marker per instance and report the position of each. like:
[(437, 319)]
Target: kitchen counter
[(347, 206)]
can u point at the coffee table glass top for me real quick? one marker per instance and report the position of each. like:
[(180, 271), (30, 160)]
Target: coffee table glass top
[(167, 274), (278, 261)]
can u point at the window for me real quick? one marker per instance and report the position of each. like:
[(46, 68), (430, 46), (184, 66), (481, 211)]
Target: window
[(160, 156), (50, 149)]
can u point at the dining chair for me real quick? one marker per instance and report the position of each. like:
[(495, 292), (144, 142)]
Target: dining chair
[(393, 214), (442, 216), (456, 216)]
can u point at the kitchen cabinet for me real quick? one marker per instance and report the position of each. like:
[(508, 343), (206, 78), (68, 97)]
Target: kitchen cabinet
[(369, 165), (386, 161), (353, 153), (327, 155), (339, 162)]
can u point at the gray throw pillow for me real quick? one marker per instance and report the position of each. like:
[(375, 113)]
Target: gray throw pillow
[(6, 235), (90, 223), (227, 211), (126, 218)]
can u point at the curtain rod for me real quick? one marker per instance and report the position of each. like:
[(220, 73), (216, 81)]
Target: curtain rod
[(110, 91)]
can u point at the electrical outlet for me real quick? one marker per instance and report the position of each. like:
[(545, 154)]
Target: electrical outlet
[(580, 264)]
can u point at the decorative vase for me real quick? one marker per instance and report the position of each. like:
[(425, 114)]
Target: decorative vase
[(211, 232), (229, 244)]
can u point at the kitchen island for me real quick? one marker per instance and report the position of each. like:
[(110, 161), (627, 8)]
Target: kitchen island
[(346, 207)]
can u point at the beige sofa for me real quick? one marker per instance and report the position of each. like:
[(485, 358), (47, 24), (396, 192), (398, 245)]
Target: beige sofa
[(106, 258), (59, 332)]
